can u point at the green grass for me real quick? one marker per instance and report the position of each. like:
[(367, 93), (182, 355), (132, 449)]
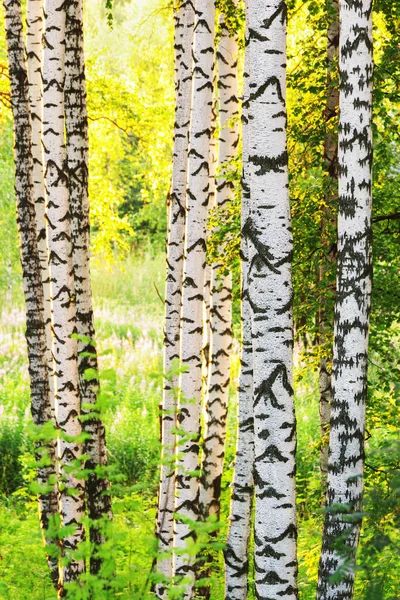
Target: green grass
[(129, 323)]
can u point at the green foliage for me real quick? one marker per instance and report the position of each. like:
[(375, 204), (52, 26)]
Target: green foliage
[(130, 103), (12, 444)]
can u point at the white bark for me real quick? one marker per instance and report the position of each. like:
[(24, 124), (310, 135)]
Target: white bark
[(237, 545), (66, 388), (331, 164), (268, 231), (97, 487), (350, 354), (187, 482), (184, 25), (31, 269), (221, 297), (34, 49)]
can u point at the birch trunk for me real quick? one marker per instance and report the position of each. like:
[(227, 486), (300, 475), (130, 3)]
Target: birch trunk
[(350, 354), (269, 235), (68, 410), (184, 25), (97, 486), (221, 296), (327, 225), (237, 545), (31, 270), (34, 48), (187, 481)]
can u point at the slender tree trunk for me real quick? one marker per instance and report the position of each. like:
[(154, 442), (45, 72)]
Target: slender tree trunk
[(350, 353), (65, 347), (268, 231), (184, 25), (187, 480), (221, 297), (31, 270), (34, 47), (237, 545), (328, 225), (213, 166), (97, 486)]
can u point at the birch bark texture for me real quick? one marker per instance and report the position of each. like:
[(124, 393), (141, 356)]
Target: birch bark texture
[(76, 121), (183, 40), (328, 224), (31, 270), (221, 289), (198, 190), (269, 235), (63, 300), (350, 355), (237, 545), (34, 49)]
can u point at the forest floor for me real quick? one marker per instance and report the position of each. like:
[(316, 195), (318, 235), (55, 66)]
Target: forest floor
[(129, 322)]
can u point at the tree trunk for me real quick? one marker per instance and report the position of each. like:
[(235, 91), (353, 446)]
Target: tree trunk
[(31, 270), (34, 48), (97, 486), (268, 231), (350, 353), (221, 297), (187, 480), (237, 545), (328, 225), (65, 347), (184, 25)]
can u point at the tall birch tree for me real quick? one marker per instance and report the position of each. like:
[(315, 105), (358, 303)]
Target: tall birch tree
[(221, 288), (350, 355), (268, 231), (237, 545), (328, 225), (184, 25), (31, 271), (63, 299), (34, 48), (187, 481), (97, 487)]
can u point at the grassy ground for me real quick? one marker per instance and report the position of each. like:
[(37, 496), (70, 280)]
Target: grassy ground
[(129, 318)]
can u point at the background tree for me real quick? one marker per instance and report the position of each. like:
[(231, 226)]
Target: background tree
[(184, 24), (198, 190), (346, 445), (237, 546)]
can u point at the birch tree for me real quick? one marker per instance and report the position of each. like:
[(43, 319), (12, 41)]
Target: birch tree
[(34, 48), (237, 545), (97, 487), (327, 225), (350, 355), (221, 286), (268, 231), (32, 280), (63, 300), (184, 24), (187, 483)]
